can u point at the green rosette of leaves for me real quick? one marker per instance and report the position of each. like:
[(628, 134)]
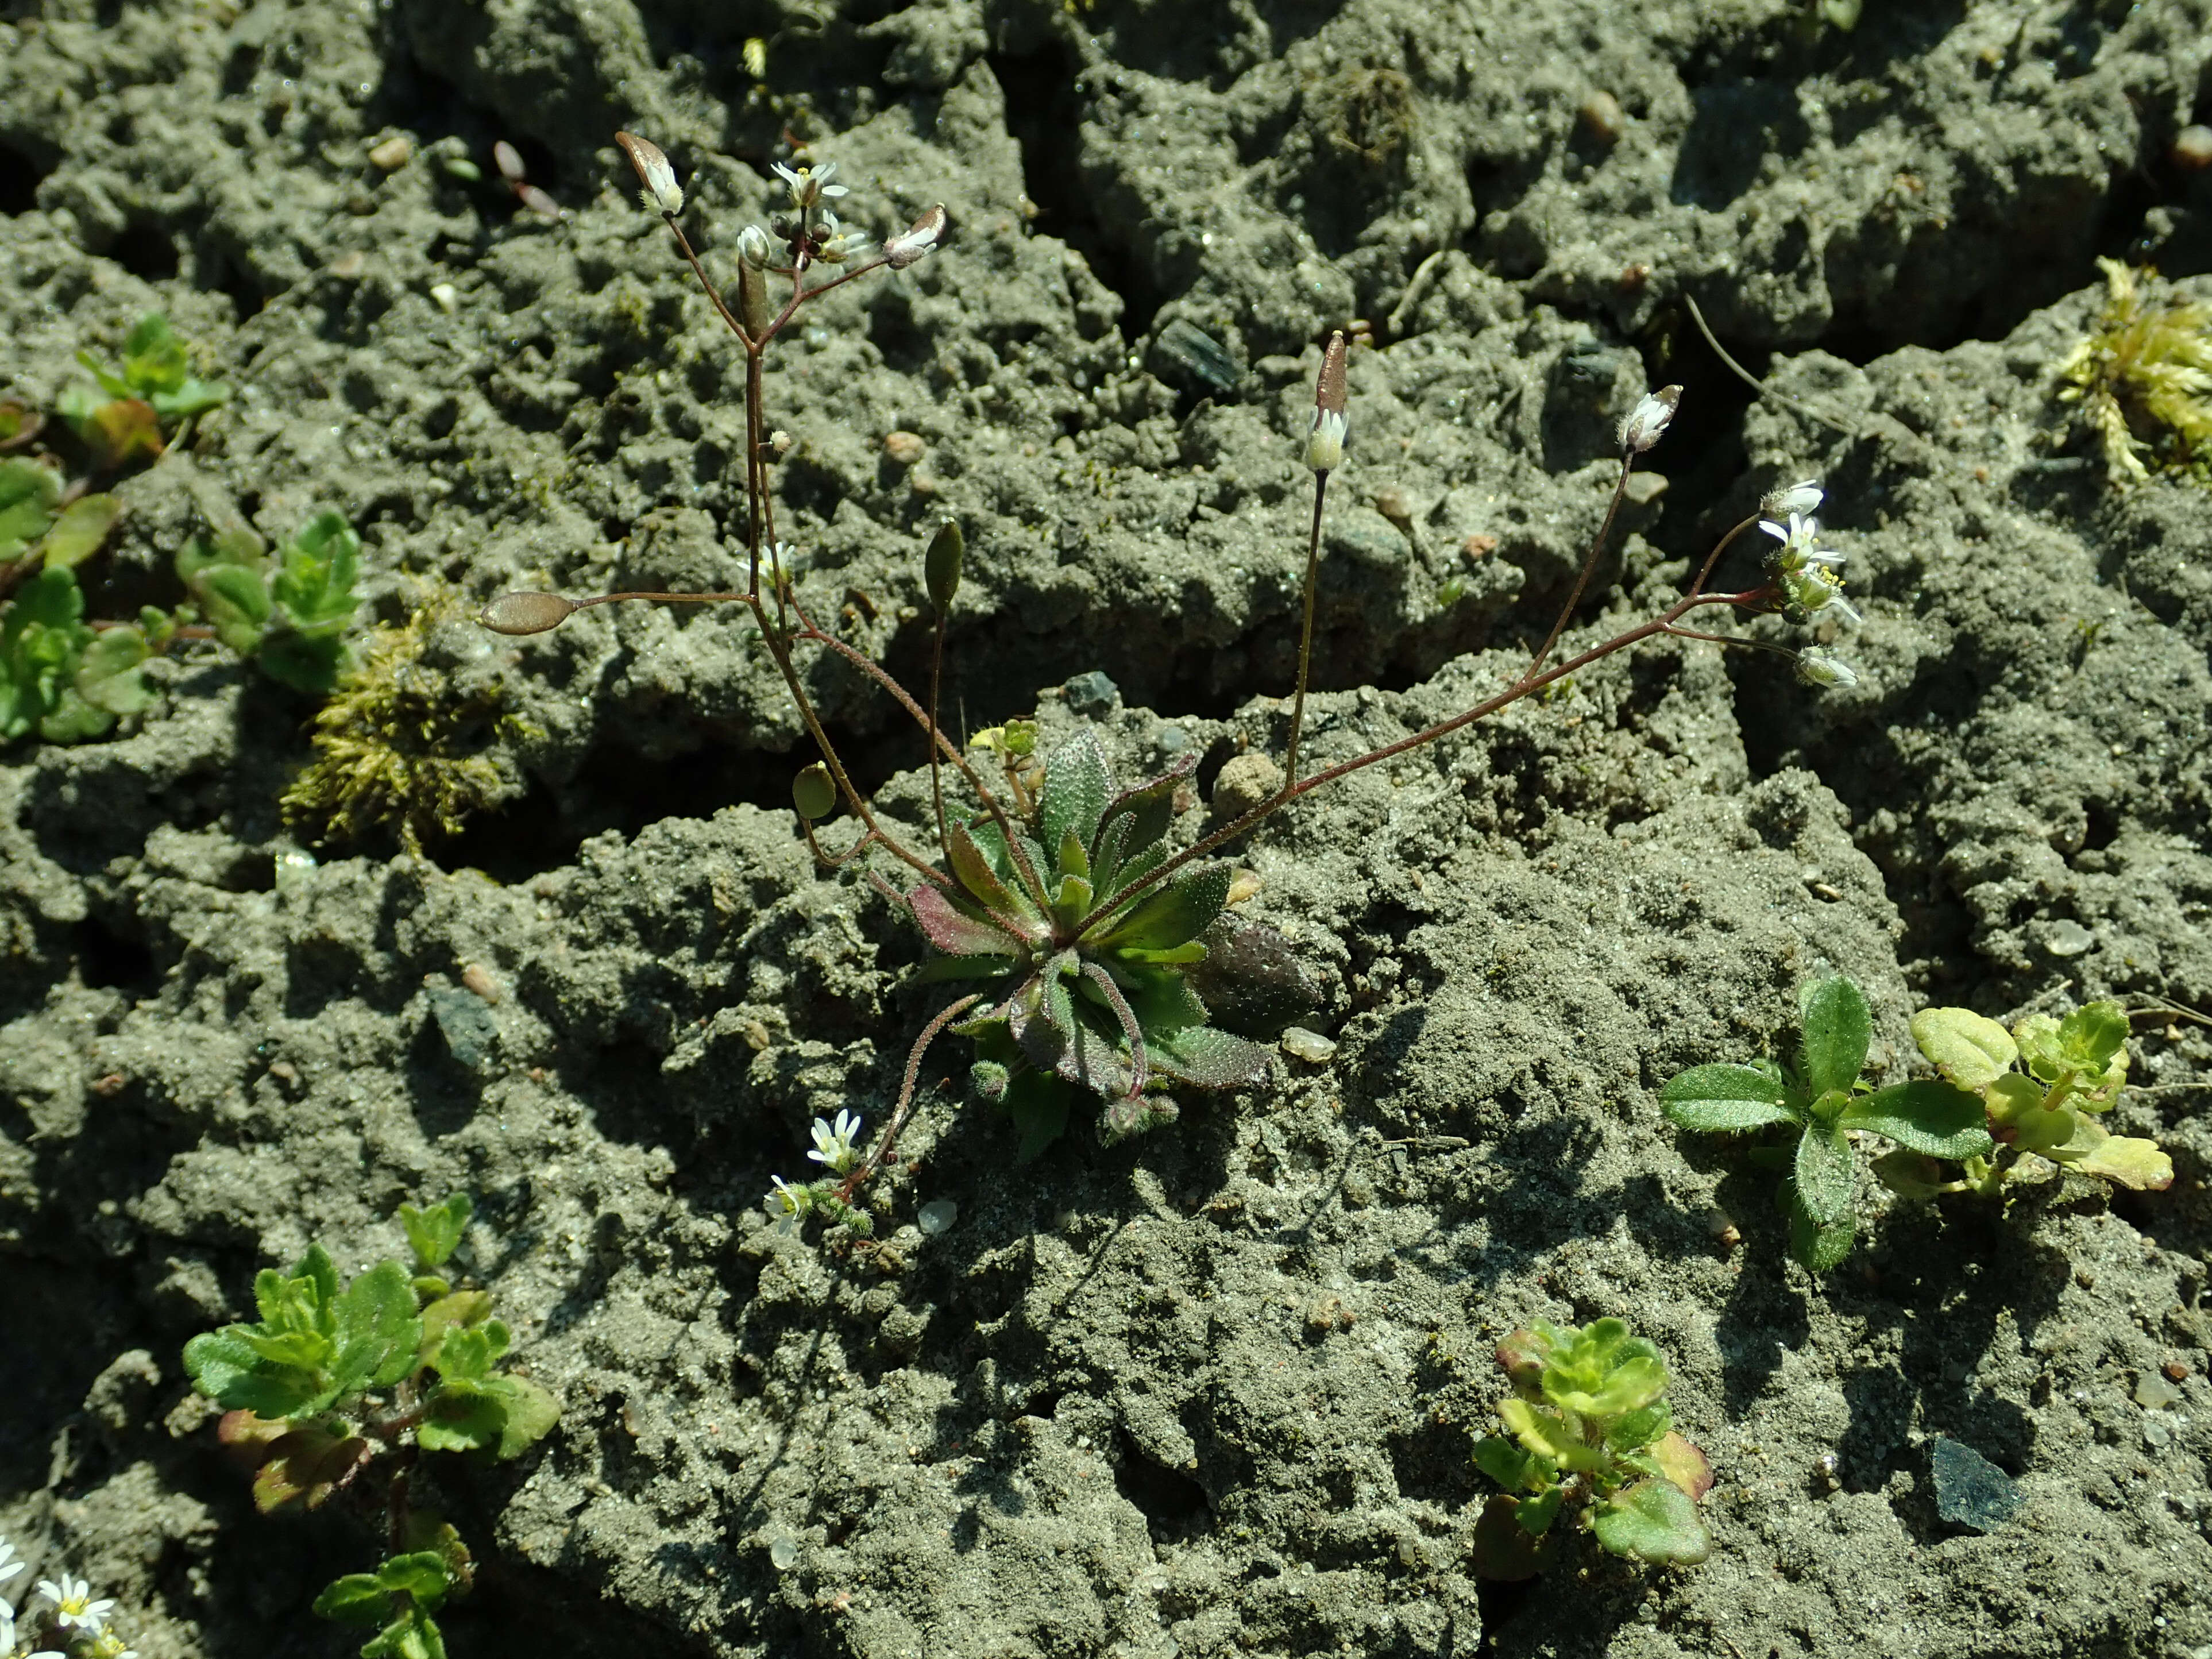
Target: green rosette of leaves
[(1589, 1432), (1824, 1101), (1084, 993)]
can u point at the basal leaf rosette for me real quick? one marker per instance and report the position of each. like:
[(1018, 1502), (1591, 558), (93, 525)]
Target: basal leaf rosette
[(1093, 989)]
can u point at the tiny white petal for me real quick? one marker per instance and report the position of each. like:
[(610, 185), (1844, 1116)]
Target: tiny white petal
[(1804, 496)]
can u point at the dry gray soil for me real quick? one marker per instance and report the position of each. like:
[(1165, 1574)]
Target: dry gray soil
[(1212, 1392)]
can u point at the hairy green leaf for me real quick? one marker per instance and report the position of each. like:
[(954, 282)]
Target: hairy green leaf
[(1725, 1098), (1823, 1174), (1208, 1058), (1838, 1029), (1819, 1245), (1077, 784), (1174, 913), (435, 1233)]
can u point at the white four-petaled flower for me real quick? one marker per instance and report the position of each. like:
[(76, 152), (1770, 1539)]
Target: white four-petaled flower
[(833, 1144)]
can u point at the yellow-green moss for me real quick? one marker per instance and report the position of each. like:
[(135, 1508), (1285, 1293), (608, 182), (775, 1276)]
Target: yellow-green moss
[(2143, 379), (397, 746)]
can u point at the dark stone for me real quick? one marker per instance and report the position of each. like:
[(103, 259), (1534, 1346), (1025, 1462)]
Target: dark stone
[(1972, 1491)]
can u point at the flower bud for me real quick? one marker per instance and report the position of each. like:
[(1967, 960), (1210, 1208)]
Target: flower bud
[(1801, 499), (755, 248), (662, 193), (909, 245), (1325, 439), (814, 792), (526, 613), (1644, 425), (940, 566), (1817, 667)]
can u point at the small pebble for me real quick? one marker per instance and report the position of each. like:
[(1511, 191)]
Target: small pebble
[(448, 296), (904, 447), (783, 1553), (392, 154), (2192, 148), (1602, 117), (1970, 1492), (480, 980), (935, 1218), (1302, 1044), (1394, 504), (2067, 939), (1478, 546), (2154, 1393)]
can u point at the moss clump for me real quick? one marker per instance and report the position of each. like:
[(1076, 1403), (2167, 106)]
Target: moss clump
[(2143, 379), (401, 744)]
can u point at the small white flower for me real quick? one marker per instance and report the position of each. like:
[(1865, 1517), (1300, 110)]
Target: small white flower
[(810, 186), (74, 1607), (1644, 425), (1801, 499), (833, 1144), (1800, 544), (834, 245), (1817, 667), (780, 563), (1325, 441), (787, 1202), (1815, 589)]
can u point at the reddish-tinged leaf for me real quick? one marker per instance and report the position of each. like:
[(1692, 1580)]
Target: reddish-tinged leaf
[(956, 932)]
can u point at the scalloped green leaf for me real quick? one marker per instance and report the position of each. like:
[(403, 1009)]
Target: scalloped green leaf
[(1925, 1116), (1971, 1052), (1653, 1521)]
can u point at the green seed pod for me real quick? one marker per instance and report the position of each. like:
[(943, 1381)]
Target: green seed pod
[(814, 792), (526, 613), (940, 566), (755, 307)]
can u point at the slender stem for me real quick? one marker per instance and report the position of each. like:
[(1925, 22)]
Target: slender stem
[(1519, 689), (1305, 637), (1719, 548), (1589, 564), (905, 1107), (700, 271), (936, 771), (876, 671)]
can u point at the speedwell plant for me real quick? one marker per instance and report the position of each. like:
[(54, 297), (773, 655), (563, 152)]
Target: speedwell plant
[(1095, 937)]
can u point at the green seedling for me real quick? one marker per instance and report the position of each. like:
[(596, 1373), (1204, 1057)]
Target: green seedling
[(2143, 379), (338, 1389), (123, 413), (41, 526), (1098, 934), (62, 678), (1824, 1101), (1591, 1437), (398, 1598), (2044, 1084), (288, 615)]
